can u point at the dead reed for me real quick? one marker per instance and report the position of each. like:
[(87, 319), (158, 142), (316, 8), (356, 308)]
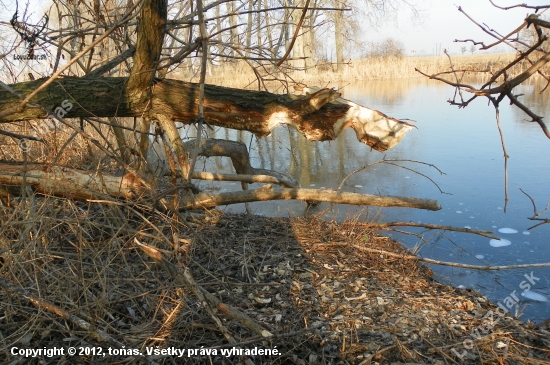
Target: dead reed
[(325, 74)]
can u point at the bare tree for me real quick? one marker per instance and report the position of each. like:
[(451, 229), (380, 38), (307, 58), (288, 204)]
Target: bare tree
[(387, 48), (349, 26)]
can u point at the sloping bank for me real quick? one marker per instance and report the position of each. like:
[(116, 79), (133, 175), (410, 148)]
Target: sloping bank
[(322, 300)]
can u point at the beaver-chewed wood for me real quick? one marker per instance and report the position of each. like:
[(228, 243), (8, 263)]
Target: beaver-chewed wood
[(320, 116)]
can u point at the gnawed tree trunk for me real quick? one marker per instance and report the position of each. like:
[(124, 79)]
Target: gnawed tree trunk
[(84, 185), (319, 116)]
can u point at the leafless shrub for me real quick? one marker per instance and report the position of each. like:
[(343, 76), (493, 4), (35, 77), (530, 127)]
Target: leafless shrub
[(388, 48)]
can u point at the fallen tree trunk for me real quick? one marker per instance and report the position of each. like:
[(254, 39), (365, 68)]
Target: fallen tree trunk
[(85, 185), (265, 179), (66, 182), (320, 116), (268, 192)]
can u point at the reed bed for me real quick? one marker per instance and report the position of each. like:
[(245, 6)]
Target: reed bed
[(240, 74)]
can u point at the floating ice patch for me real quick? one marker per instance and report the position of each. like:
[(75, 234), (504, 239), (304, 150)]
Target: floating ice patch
[(481, 257), (500, 243), (358, 186), (507, 230), (527, 233), (472, 216), (407, 177), (528, 294), (461, 286), (312, 185), (460, 203), (494, 226), (459, 212), (468, 227), (499, 207)]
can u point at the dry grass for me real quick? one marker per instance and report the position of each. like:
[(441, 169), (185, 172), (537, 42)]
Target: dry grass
[(323, 301), (240, 75)]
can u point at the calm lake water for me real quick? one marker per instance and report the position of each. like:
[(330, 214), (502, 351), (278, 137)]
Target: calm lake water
[(466, 146)]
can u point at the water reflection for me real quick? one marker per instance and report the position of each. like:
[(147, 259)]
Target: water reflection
[(465, 144)]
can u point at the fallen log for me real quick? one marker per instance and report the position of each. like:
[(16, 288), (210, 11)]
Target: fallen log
[(66, 182), (268, 192), (265, 179), (86, 185)]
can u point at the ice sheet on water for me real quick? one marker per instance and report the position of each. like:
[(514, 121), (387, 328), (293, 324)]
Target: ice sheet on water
[(481, 257), (528, 294), (526, 233), (468, 227), (507, 230), (358, 186), (500, 243), (459, 212)]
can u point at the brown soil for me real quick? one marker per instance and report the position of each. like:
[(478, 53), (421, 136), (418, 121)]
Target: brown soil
[(322, 301)]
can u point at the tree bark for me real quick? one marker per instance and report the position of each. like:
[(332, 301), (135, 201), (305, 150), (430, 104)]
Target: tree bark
[(148, 49), (66, 182), (268, 192), (319, 116), (339, 37)]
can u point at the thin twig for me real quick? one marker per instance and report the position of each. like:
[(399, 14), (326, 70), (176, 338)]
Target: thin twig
[(431, 261)]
